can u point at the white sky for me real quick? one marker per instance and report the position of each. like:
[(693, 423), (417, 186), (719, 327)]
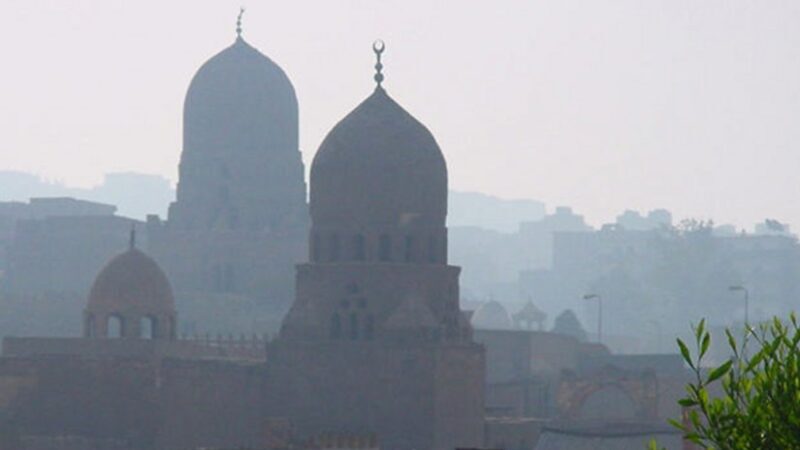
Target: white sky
[(602, 105)]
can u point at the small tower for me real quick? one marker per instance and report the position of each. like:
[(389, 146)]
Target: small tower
[(131, 298)]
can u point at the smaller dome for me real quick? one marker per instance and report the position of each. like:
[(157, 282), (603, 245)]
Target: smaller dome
[(131, 282), (491, 316), (528, 315)]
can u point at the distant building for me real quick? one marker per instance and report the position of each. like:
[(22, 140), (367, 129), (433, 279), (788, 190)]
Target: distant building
[(56, 245)]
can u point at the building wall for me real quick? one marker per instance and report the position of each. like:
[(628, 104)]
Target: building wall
[(257, 265), (407, 395), (142, 402)]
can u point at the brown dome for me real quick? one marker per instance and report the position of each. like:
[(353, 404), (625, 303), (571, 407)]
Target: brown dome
[(379, 166), (131, 282)]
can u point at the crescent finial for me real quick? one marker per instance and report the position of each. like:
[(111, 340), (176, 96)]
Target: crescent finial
[(378, 47)]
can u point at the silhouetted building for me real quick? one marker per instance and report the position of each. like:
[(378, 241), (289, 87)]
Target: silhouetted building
[(375, 341), (239, 222)]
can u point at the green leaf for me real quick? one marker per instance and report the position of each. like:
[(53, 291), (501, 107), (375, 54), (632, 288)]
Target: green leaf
[(719, 372), (687, 402), (699, 330), (685, 353), (706, 343), (756, 360), (731, 342)]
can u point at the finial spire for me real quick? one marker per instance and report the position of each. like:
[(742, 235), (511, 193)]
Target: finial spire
[(378, 47), (239, 23), (132, 241)]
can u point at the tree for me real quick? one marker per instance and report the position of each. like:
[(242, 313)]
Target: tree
[(759, 403)]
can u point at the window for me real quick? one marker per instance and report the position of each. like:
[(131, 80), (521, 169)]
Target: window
[(409, 251), (353, 326), (336, 326), (116, 326), (432, 250), (333, 244), (369, 327), (173, 331), (90, 326), (385, 248), (359, 248), (148, 327)]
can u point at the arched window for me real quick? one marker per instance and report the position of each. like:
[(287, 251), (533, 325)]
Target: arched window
[(336, 326), (148, 326), (359, 248), (353, 326), (116, 326), (333, 247), (90, 332), (369, 327), (409, 249), (432, 250), (385, 248), (315, 250)]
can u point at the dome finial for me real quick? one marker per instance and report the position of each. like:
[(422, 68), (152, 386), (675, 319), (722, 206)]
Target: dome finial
[(378, 47), (132, 240), (239, 22)]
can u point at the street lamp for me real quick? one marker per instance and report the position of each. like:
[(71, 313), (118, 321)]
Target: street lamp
[(746, 301), (599, 314)]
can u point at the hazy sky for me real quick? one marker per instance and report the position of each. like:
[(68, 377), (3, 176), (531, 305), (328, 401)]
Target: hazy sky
[(601, 105)]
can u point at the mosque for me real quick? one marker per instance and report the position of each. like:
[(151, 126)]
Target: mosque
[(239, 223), (374, 351)]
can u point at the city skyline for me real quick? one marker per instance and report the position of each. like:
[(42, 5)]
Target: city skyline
[(684, 99)]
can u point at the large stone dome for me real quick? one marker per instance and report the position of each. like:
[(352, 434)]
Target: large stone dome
[(241, 167), (379, 167), (131, 282), (240, 100)]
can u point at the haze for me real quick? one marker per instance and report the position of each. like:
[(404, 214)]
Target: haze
[(604, 106)]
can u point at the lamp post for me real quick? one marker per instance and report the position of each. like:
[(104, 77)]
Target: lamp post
[(599, 314), (746, 302)]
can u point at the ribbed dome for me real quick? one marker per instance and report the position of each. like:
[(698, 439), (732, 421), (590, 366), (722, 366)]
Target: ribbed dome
[(131, 282), (240, 99), (379, 166)]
